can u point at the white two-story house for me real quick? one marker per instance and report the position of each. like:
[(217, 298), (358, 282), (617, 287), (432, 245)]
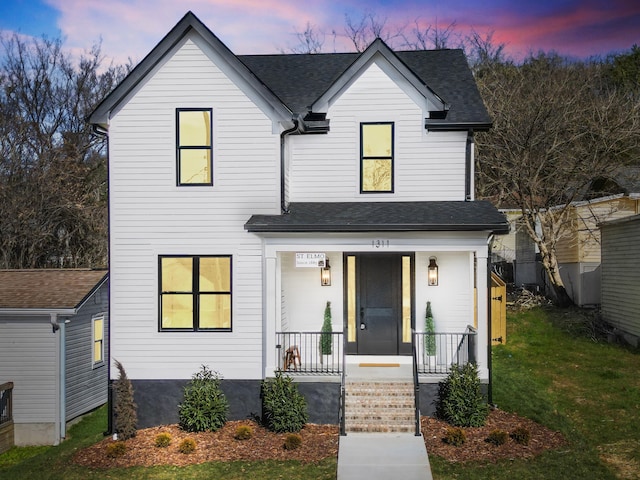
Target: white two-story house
[(247, 191)]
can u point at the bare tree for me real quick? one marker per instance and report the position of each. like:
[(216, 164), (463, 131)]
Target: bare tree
[(430, 37), (555, 130), (52, 168), (367, 28), (311, 40)]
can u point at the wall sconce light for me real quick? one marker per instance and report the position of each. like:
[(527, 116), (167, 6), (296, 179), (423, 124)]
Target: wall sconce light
[(432, 272), (325, 274)]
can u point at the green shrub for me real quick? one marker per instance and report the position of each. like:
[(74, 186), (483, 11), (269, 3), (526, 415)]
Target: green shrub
[(205, 405), (284, 408), (460, 400), (116, 449), (326, 338), (243, 432), (429, 329), (292, 441), (454, 436), (188, 445), (521, 435), (126, 417), (162, 440), (498, 437)]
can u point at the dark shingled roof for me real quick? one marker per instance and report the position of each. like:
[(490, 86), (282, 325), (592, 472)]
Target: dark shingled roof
[(47, 288), (383, 216), (300, 79)]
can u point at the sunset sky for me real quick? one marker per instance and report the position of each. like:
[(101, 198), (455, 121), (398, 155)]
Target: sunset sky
[(131, 28)]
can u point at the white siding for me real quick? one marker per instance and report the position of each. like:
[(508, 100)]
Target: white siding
[(621, 275), (150, 216), (29, 359), (428, 166)]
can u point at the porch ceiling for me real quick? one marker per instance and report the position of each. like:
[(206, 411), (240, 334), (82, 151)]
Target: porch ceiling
[(383, 217)]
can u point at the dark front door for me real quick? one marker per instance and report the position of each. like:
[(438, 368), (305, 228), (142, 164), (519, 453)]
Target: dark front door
[(379, 303)]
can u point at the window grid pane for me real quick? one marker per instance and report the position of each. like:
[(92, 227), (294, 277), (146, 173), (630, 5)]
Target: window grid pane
[(195, 293), (376, 157)]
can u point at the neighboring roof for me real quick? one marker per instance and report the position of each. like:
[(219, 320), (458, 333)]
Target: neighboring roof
[(618, 221), (383, 217), (48, 288), (293, 82)]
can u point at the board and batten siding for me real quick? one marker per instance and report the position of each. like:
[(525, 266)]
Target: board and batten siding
[(29, 359), (151, 216), (85, 384), (427, 166), (620, 270)]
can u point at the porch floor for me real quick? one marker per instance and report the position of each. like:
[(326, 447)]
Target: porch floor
[(372, 368)]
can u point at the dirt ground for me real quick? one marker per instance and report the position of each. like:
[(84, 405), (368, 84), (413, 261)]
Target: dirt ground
[(318, 442)]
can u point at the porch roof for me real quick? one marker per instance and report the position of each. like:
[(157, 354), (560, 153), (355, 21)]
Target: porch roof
[(383, 217)]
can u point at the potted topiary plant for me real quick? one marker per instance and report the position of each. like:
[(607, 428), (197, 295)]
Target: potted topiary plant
[(326, 340), (429, 339)]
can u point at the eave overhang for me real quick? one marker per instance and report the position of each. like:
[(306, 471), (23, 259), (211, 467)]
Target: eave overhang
[(344, 217)]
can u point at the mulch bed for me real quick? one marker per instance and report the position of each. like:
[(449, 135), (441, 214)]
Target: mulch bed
[(318, 442), (476, 448)]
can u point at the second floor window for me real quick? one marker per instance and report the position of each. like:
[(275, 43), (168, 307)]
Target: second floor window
[(194, 146), (376, 158)]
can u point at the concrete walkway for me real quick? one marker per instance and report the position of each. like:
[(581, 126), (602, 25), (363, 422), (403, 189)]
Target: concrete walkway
[(383, 456)]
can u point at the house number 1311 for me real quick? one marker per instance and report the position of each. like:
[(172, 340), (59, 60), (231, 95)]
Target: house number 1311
[(379, 243)]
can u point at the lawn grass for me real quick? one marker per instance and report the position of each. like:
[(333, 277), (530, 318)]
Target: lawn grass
[(548, 371), (552, 372), (53, 463)]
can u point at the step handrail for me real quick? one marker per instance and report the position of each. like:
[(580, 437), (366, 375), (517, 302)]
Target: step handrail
[(416, 381)]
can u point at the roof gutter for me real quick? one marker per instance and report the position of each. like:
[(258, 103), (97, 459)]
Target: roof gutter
[(283, 203)]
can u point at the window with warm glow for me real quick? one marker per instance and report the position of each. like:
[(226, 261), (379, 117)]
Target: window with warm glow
[(98, 340), (194, 147), (376, 157), (195, 293)]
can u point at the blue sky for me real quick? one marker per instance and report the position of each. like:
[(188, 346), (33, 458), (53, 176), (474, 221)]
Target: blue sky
[(131, 28)]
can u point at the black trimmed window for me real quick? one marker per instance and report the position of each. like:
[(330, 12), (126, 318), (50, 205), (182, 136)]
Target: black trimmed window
[(376, 157), (194, 146), (195, 293)]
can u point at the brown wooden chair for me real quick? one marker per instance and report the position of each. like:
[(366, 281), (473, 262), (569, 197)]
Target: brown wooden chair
[(292, 358)]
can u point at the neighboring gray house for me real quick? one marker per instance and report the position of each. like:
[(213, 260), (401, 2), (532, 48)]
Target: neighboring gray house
[(620, 276), (53, 347)]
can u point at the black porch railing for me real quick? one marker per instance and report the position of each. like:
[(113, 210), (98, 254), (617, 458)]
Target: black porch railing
[(436, 352), (303, 352)]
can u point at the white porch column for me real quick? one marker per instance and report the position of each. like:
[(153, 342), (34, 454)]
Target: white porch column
[(483, 312), (271, 314)]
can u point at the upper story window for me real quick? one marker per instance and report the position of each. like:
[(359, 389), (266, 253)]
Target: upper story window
[(194, 146), (376, 157), (195, 293)]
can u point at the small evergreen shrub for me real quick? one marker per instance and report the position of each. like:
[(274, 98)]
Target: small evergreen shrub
[(521, 435), (188, 445), (326, 338), (455, 436), (162, 440), (460, 400), (243, 432), (429, 329), (116, 449), (126, 417), (292, 441), (498, 437), (284, 408), (205, 405)]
